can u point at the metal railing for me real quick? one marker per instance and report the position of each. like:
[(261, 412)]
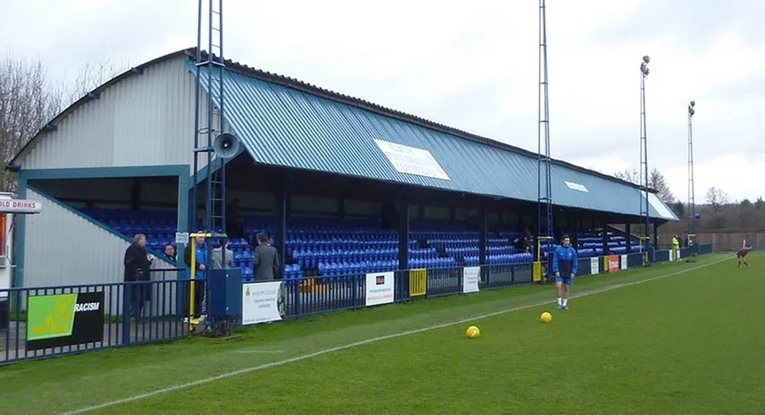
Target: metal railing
[(98, 316), (89, 317)]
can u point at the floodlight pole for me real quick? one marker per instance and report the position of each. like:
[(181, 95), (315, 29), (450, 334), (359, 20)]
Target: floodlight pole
[(644, 205), (691, 183), (209, 73), (543, 137)]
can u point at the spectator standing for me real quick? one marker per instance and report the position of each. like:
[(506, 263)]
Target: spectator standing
[(170, 253), (266, 260), (137, 265), (200, 276), (217, 255)]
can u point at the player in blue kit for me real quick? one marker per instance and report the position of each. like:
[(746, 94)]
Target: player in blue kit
[(564, 265)]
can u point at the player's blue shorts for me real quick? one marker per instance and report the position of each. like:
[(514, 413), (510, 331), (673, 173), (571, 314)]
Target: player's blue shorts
[(564, 280)]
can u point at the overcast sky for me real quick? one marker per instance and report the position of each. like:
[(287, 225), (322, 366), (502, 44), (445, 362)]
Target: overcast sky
[(475, 67)]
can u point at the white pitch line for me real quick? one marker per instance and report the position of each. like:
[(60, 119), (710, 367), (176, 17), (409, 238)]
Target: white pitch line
[(216, 378), (248, 351)]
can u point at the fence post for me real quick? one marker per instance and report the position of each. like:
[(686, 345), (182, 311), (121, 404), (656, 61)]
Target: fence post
[(126, 302), (355, 288)]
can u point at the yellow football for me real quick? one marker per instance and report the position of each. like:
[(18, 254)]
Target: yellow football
[(545, 317), (473, 332)]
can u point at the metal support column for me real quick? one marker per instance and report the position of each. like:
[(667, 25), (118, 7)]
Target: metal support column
[(403, 234), (483, 235), (280, 220), (656, 235)]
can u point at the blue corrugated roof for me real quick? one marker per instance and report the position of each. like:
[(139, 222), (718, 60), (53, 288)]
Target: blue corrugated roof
[(293, 127)]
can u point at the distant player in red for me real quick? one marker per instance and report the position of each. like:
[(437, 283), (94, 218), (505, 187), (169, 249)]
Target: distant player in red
[(741, 255)]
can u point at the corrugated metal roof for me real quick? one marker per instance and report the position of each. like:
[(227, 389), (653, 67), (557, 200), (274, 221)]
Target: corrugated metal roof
[(289, 127)]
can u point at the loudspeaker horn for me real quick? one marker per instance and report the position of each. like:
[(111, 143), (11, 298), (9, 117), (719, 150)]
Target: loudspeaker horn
[(226, 145)]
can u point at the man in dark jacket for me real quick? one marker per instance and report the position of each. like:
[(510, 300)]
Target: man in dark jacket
[(266, 260), (137, 264)]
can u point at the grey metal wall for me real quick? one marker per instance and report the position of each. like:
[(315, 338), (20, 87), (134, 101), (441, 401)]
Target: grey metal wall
[(144, 120)]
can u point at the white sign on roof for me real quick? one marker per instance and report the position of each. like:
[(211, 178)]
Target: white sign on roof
[(577, 186), (412, 160), (661, 209)]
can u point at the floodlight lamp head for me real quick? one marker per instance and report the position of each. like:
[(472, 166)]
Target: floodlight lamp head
[(693, 103), (644, 70), (646, 59)]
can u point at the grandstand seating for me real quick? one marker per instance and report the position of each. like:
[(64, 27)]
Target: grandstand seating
[(333, 248)]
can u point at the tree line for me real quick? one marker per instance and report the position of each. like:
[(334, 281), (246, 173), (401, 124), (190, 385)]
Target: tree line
[(29, 99), (715, 210)]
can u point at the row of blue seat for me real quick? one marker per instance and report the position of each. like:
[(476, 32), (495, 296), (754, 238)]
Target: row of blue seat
[(521, 258)]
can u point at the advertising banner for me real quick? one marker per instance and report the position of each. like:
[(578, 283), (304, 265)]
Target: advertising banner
[(379, 288), (613, 263), (262, 302), (594, 266), (470, 278), (624, 262), (64, 320)]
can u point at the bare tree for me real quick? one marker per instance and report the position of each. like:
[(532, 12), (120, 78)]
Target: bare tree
[(657, 182), (631, 176), (27, 102), (93, 75), (716, 198)]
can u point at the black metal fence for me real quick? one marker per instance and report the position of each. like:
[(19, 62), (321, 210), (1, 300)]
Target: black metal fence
[(51, 321)]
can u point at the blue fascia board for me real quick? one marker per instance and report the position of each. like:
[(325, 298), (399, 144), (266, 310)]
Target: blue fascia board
[(105, 172), (180, 171)]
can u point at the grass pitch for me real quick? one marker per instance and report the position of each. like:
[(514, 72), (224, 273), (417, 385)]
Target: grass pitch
[(680, 338)]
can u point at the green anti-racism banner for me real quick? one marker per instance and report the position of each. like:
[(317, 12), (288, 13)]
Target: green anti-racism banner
[(64, 320)]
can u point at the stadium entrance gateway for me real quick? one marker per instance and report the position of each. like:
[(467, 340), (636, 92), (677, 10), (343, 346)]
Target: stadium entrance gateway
[(8, 208)]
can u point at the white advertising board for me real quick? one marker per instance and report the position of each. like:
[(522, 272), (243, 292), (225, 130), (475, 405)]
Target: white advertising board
[(182, 238), (470, 278), (20, 206), (624, 262), (379, 288), (262, 302), (594, 265)]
